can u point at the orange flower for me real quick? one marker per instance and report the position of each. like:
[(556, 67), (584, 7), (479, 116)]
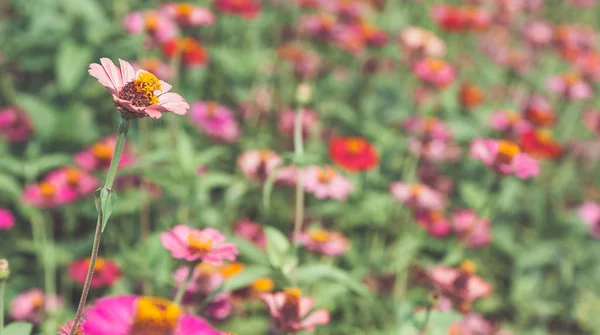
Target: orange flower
[(470, 95)]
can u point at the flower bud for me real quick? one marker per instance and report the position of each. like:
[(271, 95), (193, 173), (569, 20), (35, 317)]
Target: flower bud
[(303, 94), (4, 270)]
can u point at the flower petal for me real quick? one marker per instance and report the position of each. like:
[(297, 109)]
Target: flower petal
[(113, 72), (127, 71)]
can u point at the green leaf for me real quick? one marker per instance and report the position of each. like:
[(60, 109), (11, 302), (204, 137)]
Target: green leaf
[(105, 200), (313, 272), (41, 113), (277, 246), (72, 62), (186, 153), (472, 194), (268, 188), (246, 277), (51, 161), (18, 328), (10, 186), (249, 251)]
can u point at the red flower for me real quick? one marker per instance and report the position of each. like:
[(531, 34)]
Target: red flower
[(540, 144), (470, 95), (353, 153), (248, 9), (106, 272), (538, 111), (192, 52)]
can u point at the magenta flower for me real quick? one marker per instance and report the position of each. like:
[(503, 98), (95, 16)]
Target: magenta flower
[(32, 305), (48, 194), (99, 155), (416, 196), (78, 180), (325, 242), (509, 122), (460, 285), (287, 118), (472, 324), (15, 125), (538, 33), (251, 231), (187, 14), (137, 94), (325, 182), (474, 231), (589, 212), (258, 164), (207, 245), (434, 71), (570, 86), (158, 26), (128, 315), (215, 120), (7, 219), (290, 311), (220, 307), (434, 222), (504, 157)]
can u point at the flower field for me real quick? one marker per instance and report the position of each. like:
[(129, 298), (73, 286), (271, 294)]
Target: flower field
[(278, 167)]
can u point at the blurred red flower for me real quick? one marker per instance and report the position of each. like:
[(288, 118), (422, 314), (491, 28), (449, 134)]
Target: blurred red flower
[(192, 52), (248, 9), (540, 144), (353, 153)]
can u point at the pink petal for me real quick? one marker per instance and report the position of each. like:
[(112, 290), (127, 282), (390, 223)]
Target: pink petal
[(318, 317), (97, 71), (113, 72), (127, 71)]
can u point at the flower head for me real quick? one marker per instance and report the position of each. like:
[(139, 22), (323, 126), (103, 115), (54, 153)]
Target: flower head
[(191, 244), (187, 14), (158, 26), (417, 196), (589, 213), (32, 305), (251, 231), (15, 125), (7, 219), (206, 278), (538, 111), (472, 230), (325, 182), (287, 118), (66, 329), (106, 272), (247, 9), (353, 153), (325, 242), (509, 122), (77, 179), (215, 120), (99, 155), (461, 285), (504, 157), (470, 95), (157, 66), (571, 86), (48, 194), (434, 222), (418, 40), (193, 53), (290, 311), (258, 164), (540, 144), (137, 94), (434, 71)]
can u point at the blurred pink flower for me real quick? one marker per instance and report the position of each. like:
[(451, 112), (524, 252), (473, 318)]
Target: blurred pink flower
[(290, 311), (156, 66), (32, 305), (434, 71), (128, 314), (15, 125), (251, 231), (460, 285), (538, 33), (7, 219), (78, 180), (215, 120), (538, 111), (137, 94), (319, 26), (509, 122), (99, 155), (434, 222), (434, 149), (187, 14), (47, 194), (258, 164), (325, 242), (570, 86), (416, 40), (220, 307), (207, 245), (474, 231), (588, 63), (416, 196), (591, 119), (504, 157), (287, 176), (589, 212), (472, 324), (205, 279), (157, 25), (348, 38), (287, 118), (65, 329), (326, 182), (428, 127)]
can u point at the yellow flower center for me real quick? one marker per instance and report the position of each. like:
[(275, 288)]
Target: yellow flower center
[(37, 301), (205, 269), (200, 244), (211, 108), (263, 285), (47, 190), (416, 189), (184, 9), (100, 263), (102, 151), (435, 65), (155, 316), (325, 175), (320, 235), (513, 117), (506, 151), (291, 304), (232, 269), (468, 266), (73, 176), (140, 91), (355, 145), (265, 154), (151, 21), (571, 78)]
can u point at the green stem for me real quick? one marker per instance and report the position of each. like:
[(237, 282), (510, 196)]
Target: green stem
[(110, 178), (426, 321), (183, 287), (298, 151), (2, 289)]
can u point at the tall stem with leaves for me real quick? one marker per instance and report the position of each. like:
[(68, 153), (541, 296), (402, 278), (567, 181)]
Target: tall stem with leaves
[(104, 198)]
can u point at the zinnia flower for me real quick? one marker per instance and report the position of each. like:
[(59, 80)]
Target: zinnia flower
[(125, 315), (505, 157), (417, 196), (419, 40), (154, 23), (66, 329), (99, 155), (32, 305), (215, 120), (187, 14), (434, 222), (472, 230), (290, 311), (15, 125), (78, 180), (47, 194), (325, 182), (472, 324), (258, 164), (157, 66), (247, 9), (106, 272), (540, 144), (470, 95), (325, 242), (7, 220), (287, 119), (137, 94), (207, 245), (571, 86), (538, 111), (434, 71), (205, 279), (589, 212), (251, 231), (193, 53), (509, 122), (354, 154)]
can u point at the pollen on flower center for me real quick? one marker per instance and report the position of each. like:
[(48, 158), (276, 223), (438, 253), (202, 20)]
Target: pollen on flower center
[(73, 176), (355, 145), (320, 235), (291, 304), (506, 151), (199, 244), (140, 91), (100, 263), (155, 316), (232, 269), (47, 190), (435, 64), (184, 9), (102, 151), (326, 175), (263, 285), (468, 267)]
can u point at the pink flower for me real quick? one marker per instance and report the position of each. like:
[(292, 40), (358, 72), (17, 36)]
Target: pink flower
[(325, 182), (417, 196), (417, 40), (205, 279), (215, 120), (137, 94), (15, 125), (434, 222), (290, 311), (509, 122), (428, 127), (251, 231), (571, 86), (474, 231), (472, 324), (504, 157), (325, 242), (591, 119), (127, 315), (158, 26), (31, 305), (287, 176), (220, 307), (48, 194), (78, 180), (460, 285), (434, 150), (106, 272), (66, 329), (207, 245), (7, 219), (99, 155), (287, 119), (187, 14), (589, 212), (538, 33), (258, 164), (434, 71)]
